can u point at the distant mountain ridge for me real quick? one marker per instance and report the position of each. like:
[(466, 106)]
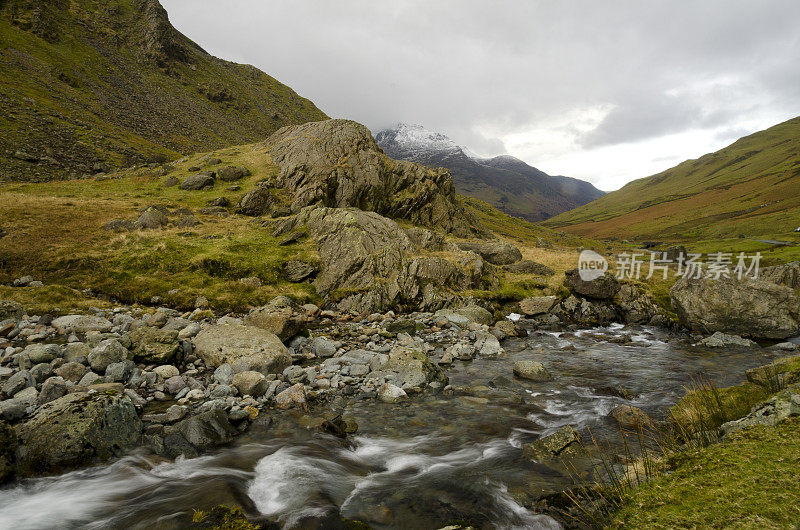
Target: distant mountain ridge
[(505, 182), (89, 86), (750, 188)]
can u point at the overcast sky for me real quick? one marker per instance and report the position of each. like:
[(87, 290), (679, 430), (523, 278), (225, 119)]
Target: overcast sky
[(604, 91)]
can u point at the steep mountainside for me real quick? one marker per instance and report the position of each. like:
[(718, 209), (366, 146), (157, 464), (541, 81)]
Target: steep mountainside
[(87, 86), (505, 182), (749, 189)]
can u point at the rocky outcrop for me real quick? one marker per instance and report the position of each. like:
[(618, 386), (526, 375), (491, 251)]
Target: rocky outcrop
[(787, 274), (495, 252), (776, 409), (603, 288), (226, 343), (749, 308), (75, 430), (336, 163), (564, 443), (367, 263)]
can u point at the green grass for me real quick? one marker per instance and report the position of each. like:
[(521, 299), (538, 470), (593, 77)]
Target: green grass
[(747, 190), (86, 93), (748, 481)]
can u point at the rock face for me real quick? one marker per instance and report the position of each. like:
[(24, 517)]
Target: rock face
[(368, 259), (75, 430), (603, 288), (787, 274), (773, 411), (495, 252), (750, 308), (227, 343), (336, 163)]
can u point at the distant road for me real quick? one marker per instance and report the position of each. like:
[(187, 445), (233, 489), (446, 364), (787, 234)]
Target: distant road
[(773, 242)]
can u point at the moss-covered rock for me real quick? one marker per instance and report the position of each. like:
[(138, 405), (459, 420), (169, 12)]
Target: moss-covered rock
[(76, 430)]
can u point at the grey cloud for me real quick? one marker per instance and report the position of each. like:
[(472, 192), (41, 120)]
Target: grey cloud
[(460, 65)]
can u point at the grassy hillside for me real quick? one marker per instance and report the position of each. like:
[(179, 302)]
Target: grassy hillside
[(749, 190), (55, 232), (88, 86)]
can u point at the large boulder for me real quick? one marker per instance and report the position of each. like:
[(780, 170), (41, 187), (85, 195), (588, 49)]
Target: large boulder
[(231, 173), (196, 433), (537, 305), (75, 430), (81, 324), (152, 218), (336, 163), (281, 316), (154, 345), (367, 266), (227, 343), (527, 266), (748, 307), (564, 443), (412, 367), (199, 181), (257, 201), (531, 370), (603, 288), (495, 252), (107, 352)]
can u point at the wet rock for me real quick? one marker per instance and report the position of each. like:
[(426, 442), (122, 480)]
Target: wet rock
[(412, 367), (723, 340), (154, 345), (227, 343), (487, 345), (749, 308), (81, 324), (294, 396), (531, 370), (389, 393), (563, 443), (75, 430), (603, 288), (537, 305), (8, 446), (506, 328), (630, 417), (203, 431)]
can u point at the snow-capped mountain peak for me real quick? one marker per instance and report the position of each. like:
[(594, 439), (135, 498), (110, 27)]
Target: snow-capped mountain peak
[(417, 140)]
